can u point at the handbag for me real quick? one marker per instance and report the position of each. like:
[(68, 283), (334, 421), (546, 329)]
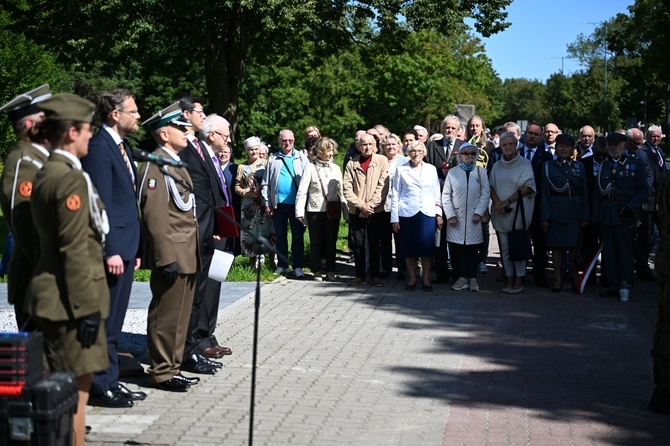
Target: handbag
[(333, 207), (519, 239), (227, 228)]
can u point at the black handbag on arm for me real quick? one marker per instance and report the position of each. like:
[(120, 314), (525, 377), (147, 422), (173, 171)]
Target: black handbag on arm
[(519, 239)]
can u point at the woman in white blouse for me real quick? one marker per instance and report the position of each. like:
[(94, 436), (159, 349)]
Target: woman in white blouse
[(416, 212)]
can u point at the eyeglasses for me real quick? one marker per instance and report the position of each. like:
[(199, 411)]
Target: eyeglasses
[(551, 132), (130, 112), (198, 110), (225, 137), (415, 151), (469, 153), (288, 141)]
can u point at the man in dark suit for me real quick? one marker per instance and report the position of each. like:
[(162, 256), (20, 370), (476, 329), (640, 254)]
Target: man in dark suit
[(110, 165), (654, 165), (655, 154), (215, 134), (537, 158), (441, 153), (208, 195)]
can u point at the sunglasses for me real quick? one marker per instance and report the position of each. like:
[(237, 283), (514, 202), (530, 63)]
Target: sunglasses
[(469, 153)]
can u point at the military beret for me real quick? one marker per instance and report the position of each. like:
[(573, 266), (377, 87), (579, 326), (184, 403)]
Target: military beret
[(169, 115), (565, 138), (615, 138), (66, 106), (26, 103)]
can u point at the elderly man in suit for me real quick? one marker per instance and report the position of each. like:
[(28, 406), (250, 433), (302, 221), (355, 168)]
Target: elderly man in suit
[(170, 250), (24, 161), (636, 145), (208, 195), (537, 157), (215, 134), (441, 153), (110, 165)]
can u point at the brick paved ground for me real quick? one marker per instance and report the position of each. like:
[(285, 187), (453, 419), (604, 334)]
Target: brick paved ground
[(342, 365)]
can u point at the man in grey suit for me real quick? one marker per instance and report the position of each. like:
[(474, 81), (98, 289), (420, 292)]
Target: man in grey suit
[(441, 154)]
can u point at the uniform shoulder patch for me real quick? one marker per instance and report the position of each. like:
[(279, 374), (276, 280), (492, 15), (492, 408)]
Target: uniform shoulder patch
[(151, 184), (26, 188), (73, 202)]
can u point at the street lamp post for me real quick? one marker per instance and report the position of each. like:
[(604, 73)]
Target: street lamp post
[(644, 123), (605, 80)]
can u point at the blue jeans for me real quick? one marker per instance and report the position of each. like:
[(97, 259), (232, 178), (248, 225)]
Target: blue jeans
[(282, 213)]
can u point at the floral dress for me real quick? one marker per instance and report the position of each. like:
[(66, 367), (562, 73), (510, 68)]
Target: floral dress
[(254, 218)]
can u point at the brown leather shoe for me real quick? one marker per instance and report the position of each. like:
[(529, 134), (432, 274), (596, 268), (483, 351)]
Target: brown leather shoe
[(225, 350), (212, 352)]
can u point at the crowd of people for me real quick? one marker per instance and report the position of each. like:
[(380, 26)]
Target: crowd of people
[(84, 217)]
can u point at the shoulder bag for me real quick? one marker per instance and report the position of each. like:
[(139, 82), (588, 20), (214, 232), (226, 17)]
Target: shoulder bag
[(519, 239)]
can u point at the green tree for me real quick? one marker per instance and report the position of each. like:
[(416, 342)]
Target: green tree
[(524, 99), (176, 42), (25, 65)]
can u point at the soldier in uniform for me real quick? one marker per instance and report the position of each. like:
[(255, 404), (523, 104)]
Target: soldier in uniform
[(564, 207), (26, 158), (170, 250), (660, 399), (68, 297), (621, 187)]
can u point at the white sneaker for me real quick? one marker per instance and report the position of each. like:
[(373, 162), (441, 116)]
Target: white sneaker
[(299, 274), (474, 286), (483, 268), (461, 284)]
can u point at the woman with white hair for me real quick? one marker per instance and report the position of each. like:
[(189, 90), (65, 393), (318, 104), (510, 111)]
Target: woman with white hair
[(254, 219)]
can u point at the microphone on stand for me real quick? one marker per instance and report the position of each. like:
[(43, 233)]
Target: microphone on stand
[(159, 160)]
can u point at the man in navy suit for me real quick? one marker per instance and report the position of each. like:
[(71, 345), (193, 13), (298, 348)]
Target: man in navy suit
[(537, 157), (439, 154), (110, 165), (208, 195)]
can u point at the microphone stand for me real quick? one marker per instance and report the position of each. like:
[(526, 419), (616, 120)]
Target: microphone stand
[(258, 243)]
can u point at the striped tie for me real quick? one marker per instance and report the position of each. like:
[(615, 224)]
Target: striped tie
[(196, 144), (659, 155), (124, 155)]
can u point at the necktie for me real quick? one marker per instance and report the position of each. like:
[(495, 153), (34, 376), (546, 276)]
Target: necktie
[(222, 178), (124, 155), (529, 155), (659, 155), (196, 144), (447, 149)]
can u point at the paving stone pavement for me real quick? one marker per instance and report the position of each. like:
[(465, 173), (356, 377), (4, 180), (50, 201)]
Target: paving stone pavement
[(344, 365)]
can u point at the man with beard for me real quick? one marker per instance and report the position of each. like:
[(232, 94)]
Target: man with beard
[(110, 165)]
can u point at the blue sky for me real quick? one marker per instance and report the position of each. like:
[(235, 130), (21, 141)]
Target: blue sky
[(540, 32)]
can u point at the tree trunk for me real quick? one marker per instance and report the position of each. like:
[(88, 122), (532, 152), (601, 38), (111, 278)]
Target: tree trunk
[(226, 51)]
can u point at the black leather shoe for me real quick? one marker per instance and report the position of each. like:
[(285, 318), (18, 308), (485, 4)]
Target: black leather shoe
[(173, 385), (609, 293), (210, 362), (195, 363), (87, 430), (109, 398), (190, 380), (129, 394)]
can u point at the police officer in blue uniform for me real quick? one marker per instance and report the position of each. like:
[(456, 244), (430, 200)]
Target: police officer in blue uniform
[(621, 187)]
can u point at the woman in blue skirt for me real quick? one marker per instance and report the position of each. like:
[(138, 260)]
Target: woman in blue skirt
[(416, 212)]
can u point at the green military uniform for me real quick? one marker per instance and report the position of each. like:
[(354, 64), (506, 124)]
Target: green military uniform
[(69, 281), (170, 235), (22, 164), (660, 401)]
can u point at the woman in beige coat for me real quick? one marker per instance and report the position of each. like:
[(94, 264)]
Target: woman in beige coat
[(321, 182)]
